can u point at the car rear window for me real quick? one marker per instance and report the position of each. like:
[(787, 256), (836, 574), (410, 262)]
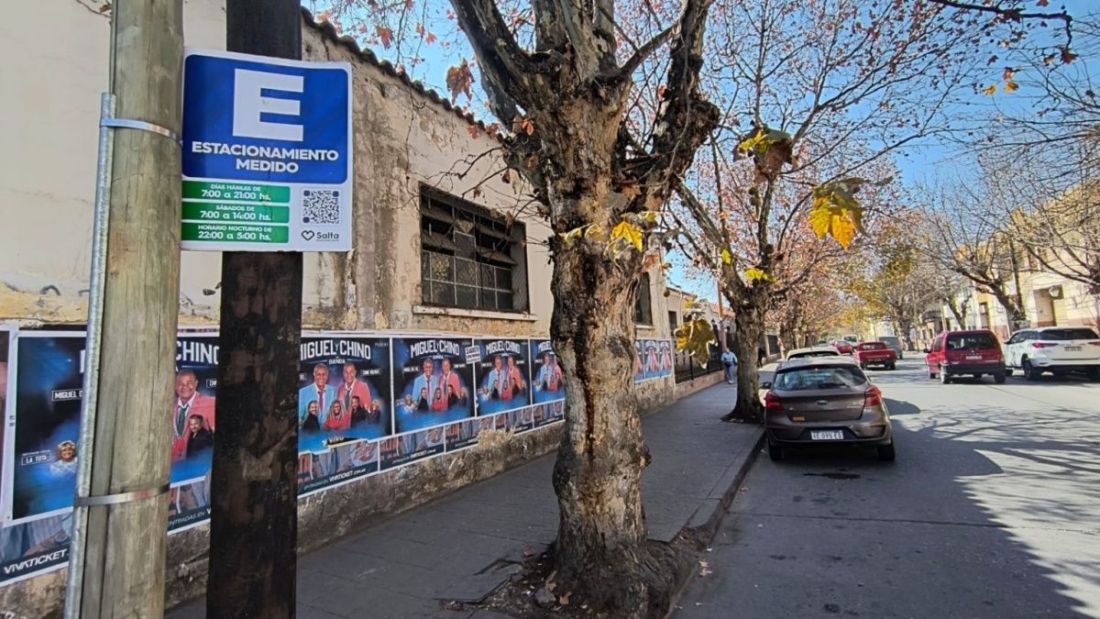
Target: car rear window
[(814, 353), (806, 379), (971, 341), (890, 340), (1061, 335), (872, 346)]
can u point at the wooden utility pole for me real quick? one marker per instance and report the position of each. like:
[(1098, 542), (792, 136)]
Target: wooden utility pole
[(254, 502), (118, 541)]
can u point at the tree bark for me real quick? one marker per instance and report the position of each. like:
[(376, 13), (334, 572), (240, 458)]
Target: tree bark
[(748, 322), (602, 532)]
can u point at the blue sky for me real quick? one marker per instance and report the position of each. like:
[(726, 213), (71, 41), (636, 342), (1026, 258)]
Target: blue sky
[(919, 163)]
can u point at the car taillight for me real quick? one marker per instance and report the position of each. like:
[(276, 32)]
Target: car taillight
[(772, 402), (1042, 345), (873, 397), (1094, 343)]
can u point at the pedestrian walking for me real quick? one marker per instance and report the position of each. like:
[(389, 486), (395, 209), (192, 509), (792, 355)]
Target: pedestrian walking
[(729, 360)]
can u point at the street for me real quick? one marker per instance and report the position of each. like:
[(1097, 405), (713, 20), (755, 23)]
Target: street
[(991, 510)]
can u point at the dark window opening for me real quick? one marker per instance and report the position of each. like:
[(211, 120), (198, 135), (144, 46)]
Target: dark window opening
[(469, 257), (643, 306)]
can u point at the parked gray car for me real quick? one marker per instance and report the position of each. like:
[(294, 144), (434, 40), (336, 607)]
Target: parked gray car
[(825, 400)]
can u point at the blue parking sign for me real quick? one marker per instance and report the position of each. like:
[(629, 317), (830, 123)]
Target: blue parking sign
[(267, 155)]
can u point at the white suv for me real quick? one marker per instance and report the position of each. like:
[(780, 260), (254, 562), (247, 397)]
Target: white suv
[(1057, 350)]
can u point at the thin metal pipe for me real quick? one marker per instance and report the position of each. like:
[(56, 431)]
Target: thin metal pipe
[(78, 538)]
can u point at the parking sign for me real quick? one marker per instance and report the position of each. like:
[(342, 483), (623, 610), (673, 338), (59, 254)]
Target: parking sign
[(267, 153)]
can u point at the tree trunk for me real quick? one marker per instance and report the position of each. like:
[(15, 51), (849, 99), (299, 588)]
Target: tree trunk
[(749, 324), (601, 550)]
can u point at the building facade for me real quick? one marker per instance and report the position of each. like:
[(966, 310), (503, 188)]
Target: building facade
[(438, 252)]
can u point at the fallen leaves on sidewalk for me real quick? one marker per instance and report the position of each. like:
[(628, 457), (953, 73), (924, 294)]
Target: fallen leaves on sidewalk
[(704, 569)]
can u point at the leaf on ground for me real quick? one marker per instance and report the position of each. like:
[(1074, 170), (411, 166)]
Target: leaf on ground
[(564, 598), (704, 569)]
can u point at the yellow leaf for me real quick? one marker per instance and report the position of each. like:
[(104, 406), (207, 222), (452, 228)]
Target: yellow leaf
[(649, 216), (727, 257), (1011, 86), (990, 90), (820, 217), (754, 274), (694, 337), (593, 231), (843, 228), (572, 235), (628, 232)]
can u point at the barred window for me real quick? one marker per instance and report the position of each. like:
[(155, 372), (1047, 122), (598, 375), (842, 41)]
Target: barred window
[(470, 258), (643, 307)]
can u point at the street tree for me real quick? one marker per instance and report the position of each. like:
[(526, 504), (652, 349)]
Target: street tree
[(963, 239), (562, 78), (816, 101)]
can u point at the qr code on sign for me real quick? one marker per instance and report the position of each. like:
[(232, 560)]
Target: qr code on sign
[(321, 206)]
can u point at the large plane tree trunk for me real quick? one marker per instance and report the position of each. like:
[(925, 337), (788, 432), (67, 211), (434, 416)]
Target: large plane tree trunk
[(748, 322), (601, 533), (566, 102)]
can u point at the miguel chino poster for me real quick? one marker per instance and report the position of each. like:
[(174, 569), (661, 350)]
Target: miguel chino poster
[(547, 382), (191, 417), (344, 408), (434, 383), (502, 374), (41, 451)]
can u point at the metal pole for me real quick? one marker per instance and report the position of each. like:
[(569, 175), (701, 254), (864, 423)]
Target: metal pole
[(78, 537)]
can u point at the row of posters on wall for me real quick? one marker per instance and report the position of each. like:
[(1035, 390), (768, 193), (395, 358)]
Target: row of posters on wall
[(367, 403)]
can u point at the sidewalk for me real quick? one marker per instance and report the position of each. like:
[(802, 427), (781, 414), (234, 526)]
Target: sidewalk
[(461, 547)]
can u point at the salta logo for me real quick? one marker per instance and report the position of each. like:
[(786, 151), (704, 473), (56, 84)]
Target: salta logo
[(320, 237), (308, 234)]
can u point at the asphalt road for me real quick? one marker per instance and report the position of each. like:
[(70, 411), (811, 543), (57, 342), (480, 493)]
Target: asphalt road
[(991, 510)]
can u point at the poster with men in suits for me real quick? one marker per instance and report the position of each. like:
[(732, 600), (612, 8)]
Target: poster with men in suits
[(502, 374), (434, 382), (344, 400), (193, 425), (547, 379)]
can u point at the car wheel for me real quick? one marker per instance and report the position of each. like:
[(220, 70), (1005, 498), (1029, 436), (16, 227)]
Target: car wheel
[(944, 378), (893, 366), (931, 374), (1008, 371), (887, 453), (775, 452), (1030, 372), (1000, 377)]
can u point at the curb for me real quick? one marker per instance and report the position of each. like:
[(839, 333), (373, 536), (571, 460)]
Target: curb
[(704, 524)]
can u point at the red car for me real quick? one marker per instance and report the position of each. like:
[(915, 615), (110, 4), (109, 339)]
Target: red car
[(955, 353), (875, 353), (842, 346)]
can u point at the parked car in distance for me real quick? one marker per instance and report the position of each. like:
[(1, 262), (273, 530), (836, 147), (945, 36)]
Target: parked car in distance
[(825, 400), (875, 353), (1058, 350), (957, 353), (816, 351), (842, 346), (894, 344)]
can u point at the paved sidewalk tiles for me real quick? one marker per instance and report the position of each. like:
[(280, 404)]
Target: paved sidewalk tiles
[(464, 545)]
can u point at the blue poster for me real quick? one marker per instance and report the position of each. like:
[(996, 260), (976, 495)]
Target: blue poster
[(502, 376), (547, 381), (191, 418), (49, 389), (344, 407), (433, 383)]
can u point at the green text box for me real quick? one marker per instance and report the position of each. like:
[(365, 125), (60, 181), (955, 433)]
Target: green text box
[(243, 192), (242, 213), (234, 233)]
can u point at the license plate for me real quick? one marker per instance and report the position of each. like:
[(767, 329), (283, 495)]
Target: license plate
[(826, 435), (1073, 349), (973, 357)]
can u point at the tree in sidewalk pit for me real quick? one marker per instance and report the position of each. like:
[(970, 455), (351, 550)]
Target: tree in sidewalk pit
[(963, 239), (562, 78), (816, 101)]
